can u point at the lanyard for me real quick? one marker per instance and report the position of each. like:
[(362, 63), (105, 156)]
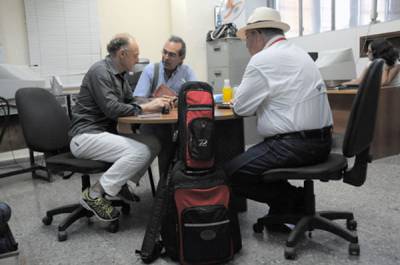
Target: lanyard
[(277, 40)]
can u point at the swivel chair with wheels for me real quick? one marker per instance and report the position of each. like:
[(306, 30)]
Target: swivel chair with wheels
[(357, 141), (45, 127), (4, 123)]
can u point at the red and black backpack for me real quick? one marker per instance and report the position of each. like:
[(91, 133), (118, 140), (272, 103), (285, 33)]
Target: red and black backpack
[(196, 126), (199, 226), (193, 204)]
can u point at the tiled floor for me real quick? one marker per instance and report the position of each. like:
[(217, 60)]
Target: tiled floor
[(376, 206)]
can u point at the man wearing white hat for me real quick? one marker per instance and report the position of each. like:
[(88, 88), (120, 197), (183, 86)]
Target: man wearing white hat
[(283, 87)]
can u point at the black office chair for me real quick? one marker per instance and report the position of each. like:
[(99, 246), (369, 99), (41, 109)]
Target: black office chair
[(4, 123), (357, 141), (45, 127)]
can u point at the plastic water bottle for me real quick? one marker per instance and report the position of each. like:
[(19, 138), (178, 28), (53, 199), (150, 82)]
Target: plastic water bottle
[(227, 91)]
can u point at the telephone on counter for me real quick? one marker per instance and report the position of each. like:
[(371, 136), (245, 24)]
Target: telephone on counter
[(343, 87)]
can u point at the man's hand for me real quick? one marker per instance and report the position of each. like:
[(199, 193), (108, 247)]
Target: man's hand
[(174, 100), (157, 104)]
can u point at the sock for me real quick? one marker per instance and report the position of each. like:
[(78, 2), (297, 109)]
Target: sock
[(96, 191)]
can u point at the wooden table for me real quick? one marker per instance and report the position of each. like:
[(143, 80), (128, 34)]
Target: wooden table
[(172, 117), (229, 133), (387, 129)]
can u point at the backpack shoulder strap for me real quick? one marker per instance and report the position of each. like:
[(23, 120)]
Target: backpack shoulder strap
[(151, 246), (155, 78)]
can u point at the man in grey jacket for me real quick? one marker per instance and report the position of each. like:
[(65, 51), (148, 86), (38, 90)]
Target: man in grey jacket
[(104, 96)]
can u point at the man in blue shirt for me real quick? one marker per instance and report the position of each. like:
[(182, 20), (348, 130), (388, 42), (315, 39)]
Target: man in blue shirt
[(171, 73), (171, 70)]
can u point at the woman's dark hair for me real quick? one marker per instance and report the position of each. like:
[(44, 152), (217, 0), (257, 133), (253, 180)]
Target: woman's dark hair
[(381, 48)]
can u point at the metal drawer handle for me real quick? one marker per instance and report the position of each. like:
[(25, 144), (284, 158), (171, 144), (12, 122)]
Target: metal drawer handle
[(217, 74), (217, 49)]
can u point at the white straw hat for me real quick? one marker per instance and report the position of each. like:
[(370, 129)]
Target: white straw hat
[(263, 17)]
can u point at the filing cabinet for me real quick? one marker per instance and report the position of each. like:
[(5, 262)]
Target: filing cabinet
[(226, 59)]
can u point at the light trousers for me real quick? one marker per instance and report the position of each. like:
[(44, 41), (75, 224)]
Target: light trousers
[(131, 156)]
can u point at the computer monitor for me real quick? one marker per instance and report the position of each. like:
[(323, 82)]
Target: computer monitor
[(13, 77), (336, 66)]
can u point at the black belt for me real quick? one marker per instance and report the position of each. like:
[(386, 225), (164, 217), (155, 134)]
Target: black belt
[(306, 134)]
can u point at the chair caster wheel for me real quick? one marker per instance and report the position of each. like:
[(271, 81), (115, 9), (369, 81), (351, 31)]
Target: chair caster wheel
[(47, 220), (113, 227), (351, 225), (62, 236), (290, 253), (258, 228), (126, 209), (354, 249)]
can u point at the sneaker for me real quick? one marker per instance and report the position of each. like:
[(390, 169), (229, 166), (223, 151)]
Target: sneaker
[(127, 195), (99, 206)]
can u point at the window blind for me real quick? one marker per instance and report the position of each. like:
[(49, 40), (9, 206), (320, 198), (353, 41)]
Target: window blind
[(63, 37)]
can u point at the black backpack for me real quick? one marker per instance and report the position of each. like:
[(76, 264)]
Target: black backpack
[(199, 226)]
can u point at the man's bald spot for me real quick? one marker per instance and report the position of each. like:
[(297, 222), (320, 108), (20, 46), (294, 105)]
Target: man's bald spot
[(120, 40)]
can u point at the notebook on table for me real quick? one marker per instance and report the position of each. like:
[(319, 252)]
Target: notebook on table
[(164, 90)]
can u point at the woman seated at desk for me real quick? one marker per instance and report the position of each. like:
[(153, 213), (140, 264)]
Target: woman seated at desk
[(381, 48)]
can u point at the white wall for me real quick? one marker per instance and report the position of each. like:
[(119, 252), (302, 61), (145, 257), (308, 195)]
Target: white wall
[(13, 36), (153, 21), (347, 38), (148, 21), (191, 20)]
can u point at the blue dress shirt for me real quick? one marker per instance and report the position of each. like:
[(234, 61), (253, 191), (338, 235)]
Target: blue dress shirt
[(182, 74)]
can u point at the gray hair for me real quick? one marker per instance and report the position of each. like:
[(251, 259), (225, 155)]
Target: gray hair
[(118, 42), (270, 32), (176, 39)]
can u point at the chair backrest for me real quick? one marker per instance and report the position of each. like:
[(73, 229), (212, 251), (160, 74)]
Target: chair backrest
[(5, 115), (361, 124), (44, 122)]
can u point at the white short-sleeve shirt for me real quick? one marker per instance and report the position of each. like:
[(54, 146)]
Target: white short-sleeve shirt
[(284, 88)]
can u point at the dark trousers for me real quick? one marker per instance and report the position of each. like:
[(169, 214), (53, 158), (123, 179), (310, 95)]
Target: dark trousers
[(164, 133), (245, 171)]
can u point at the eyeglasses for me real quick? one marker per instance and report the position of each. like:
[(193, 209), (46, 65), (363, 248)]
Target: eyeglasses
[(170, 54), (250, 33)]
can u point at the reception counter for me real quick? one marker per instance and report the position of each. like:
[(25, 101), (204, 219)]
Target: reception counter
[(387, 129)]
